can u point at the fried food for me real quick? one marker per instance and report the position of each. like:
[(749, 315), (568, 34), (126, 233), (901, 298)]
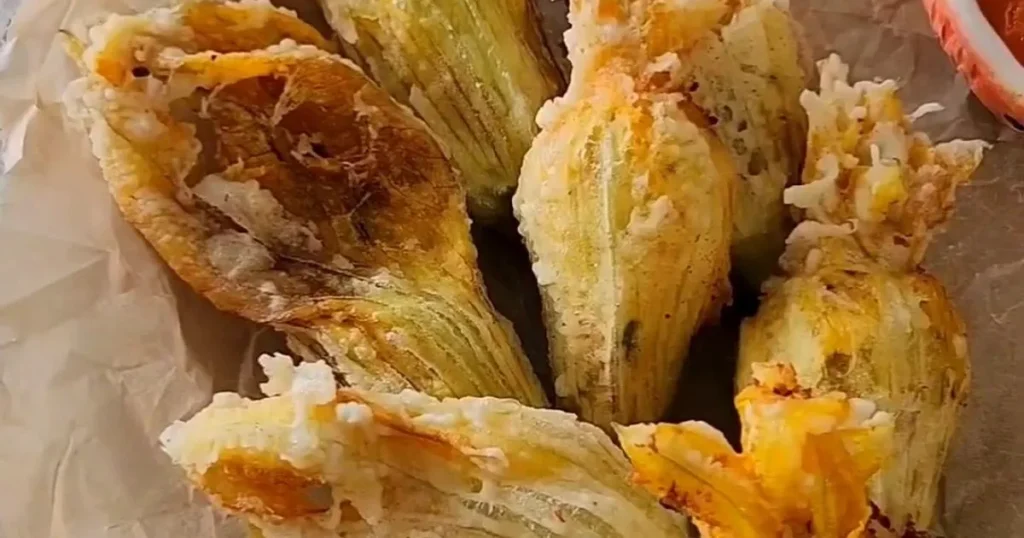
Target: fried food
[(855, 312), (739, 62), (625, 203), (744, 71), (284, 186), (476, 71), (316, 460), (802, 473)]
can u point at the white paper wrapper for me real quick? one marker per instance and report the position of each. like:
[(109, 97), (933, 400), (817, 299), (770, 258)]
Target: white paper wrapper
[(101, 348), (98, 349)]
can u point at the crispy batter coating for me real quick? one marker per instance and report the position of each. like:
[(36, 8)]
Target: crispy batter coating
[(625, 204), (867, 166), (803, 470), (476, 71), (892, 337), (283, 185), (739, 62), (358, 463), (855, 312)]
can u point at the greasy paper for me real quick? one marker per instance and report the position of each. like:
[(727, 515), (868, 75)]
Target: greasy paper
[(101, 347)]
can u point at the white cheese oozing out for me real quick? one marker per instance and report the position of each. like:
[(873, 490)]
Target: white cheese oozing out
[(280, 372), (817, 196), (312, 385), (645, 222), (545, 273), (238, 255), (256, 210), (348, 448)]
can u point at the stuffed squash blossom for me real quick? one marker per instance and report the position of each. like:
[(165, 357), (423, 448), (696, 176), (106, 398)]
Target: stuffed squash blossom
[(802, 473), (284, 186), (739, 63), (476, 71), (314, 459), (743, 69), (625, 203), (855, 312)]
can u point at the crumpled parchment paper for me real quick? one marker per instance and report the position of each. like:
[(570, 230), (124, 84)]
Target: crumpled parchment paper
[(101, 348)]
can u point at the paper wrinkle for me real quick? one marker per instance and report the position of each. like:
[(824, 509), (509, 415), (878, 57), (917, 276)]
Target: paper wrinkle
[(14, 147), (893, 39), (95, 353), (101, 348)]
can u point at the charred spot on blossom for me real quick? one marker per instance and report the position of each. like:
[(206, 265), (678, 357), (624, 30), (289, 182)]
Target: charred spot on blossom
[(757, 163), (361, 231), (880, 522), (838, 364), (674, 499), (739, 146), (629, 338), (881, 519), (319, 149), (786, 391), (140, 71), (694, 86)]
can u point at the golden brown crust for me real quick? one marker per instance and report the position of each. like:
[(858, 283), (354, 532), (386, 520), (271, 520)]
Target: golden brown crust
[(856, 313), (284, 186), (626, 202), (850, 324), (225, 28), (476, 71), (357, 463), (802, 473), (625, 206), (259, 484)]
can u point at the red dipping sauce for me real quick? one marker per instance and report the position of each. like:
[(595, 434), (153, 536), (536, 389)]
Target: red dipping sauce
[(985, 39), (1007, 18)]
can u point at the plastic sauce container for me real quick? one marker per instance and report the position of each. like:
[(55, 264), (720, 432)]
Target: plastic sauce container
[(985, 39)]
